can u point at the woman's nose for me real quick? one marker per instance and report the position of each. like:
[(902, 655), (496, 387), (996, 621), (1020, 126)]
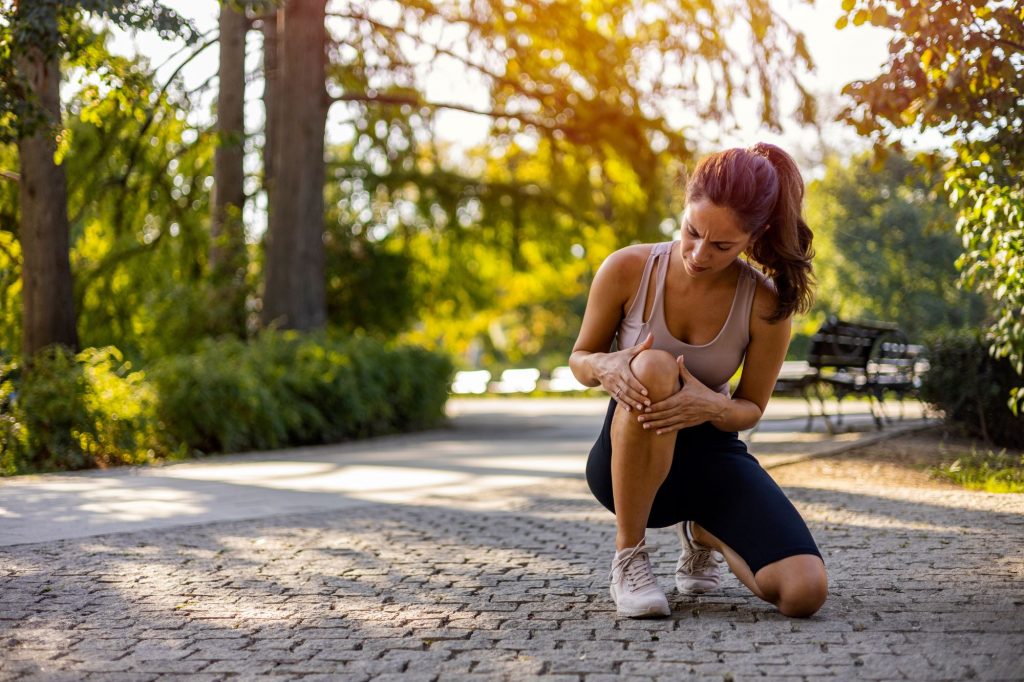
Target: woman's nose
[(699, 251)]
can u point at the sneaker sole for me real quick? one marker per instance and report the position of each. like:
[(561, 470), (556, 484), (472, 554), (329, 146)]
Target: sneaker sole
[(695, 590), (644, 613)]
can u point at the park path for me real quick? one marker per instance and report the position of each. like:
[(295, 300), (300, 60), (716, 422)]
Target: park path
[(476, 552)]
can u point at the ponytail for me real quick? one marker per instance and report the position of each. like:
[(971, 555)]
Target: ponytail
[(763, 186)]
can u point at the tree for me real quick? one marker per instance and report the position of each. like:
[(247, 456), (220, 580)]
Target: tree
[(32, 43), (294, 295), (227, 249), (268, 28), (49, 314), (955, 68)]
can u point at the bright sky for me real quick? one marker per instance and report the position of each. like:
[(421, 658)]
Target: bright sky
[(841, 56)]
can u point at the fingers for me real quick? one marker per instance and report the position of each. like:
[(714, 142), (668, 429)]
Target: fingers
[(637, 387), (662, 408), (631, 394), (684, 373), (667, 424), (664, 416)]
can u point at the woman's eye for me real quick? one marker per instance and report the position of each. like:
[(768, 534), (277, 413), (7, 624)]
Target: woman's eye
[(723, 248)]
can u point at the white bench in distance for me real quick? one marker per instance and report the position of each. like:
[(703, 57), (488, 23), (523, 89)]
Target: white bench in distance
[(471, 382), (563, 380), (516, 381)]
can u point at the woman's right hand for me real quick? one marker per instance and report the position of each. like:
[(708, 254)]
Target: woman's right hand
[(616, 375)]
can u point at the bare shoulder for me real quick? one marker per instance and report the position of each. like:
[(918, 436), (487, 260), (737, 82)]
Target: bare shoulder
[(627, 260), (617, 279)]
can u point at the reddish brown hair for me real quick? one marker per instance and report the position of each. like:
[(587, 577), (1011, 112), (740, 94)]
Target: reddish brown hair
[(763, 186)]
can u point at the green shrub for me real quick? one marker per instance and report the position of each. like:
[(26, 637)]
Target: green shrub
[(972, 388), (993, 472), (76, 411), (290, 389)]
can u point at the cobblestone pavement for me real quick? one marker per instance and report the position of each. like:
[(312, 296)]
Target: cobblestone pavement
[(926, 584)]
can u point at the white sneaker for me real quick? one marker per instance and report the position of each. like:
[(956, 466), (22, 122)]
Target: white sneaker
[(699, 568), (634, 588)]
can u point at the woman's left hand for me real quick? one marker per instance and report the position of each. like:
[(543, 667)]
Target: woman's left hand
[(693, 404)]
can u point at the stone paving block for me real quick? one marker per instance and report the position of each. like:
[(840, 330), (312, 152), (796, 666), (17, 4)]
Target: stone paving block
[(335, 677), (54, 676), (166, 666), (374, 667), (200, 677), (98, 665), (520, 665), (10, 669), (313, 667), (655, 668), (240, 666)]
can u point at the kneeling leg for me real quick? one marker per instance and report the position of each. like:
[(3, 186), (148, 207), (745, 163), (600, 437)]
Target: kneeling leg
[(641, 459)]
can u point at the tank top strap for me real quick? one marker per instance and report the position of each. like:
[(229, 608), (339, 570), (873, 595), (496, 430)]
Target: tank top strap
[(636, 311), (662, 249)]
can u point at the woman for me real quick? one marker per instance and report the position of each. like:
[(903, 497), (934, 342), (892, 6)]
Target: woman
[(684, 315)]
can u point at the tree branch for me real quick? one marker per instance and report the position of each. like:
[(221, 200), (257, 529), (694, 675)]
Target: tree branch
[(417, 102)]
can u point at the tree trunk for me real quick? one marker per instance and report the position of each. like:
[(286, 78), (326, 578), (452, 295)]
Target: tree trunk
[(227, 253), (47, 296), (294, 296), (270, 86)]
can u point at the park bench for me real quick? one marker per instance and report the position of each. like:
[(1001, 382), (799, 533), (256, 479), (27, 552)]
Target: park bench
[(522, 380), (854, 358), (471, 382), (525, 380), (562, 381)]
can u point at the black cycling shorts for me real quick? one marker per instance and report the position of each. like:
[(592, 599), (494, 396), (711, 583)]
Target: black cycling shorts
[(717, 483)]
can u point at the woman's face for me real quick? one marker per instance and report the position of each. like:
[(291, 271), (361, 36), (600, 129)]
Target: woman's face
[(712, 238)]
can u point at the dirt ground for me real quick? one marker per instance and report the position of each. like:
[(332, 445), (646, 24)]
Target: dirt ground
[(900, 461)]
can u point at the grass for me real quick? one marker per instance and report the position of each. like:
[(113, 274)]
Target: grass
[(987, 470)]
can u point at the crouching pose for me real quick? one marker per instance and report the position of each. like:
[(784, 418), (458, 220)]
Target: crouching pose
[(684, 316)]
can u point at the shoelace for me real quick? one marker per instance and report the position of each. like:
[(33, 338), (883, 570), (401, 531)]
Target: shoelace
[(699, 560), (635, 567)]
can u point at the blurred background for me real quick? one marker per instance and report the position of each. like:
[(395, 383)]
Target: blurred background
[(253, 224)]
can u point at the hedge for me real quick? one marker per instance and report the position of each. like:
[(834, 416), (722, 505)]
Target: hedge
[(972, 388), (282, 389)]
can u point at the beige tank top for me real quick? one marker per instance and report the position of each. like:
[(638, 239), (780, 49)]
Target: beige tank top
[(713, 363)]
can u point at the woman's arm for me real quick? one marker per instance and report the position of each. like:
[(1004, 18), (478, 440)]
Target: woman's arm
[(590, 361), (765, 354)]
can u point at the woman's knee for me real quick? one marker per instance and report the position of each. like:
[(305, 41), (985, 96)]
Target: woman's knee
[(799, 588), (657, 371), (804, 600)]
